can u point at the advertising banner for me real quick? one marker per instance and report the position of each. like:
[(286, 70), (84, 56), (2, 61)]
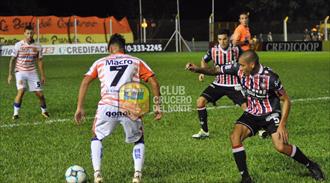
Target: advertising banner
[(61, 30), (84, 49), (292, 46)]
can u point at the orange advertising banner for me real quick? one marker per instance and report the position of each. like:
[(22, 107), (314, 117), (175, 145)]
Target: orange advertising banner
[(62, 30)]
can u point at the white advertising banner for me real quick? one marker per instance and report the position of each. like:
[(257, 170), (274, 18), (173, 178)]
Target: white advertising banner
[(64, 49), (84, 49)]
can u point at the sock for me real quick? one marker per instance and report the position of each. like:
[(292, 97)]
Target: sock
[(43, 106), (43, 109), (299, 156), (240, 159), (96, 147), (17, 107), (202, 114), (138, 156)]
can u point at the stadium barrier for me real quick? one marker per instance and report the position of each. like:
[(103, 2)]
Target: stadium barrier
[(84, 49)]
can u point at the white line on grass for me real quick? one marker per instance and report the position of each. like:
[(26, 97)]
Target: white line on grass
[(209, 108)]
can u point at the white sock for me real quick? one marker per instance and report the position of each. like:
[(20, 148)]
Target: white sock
[(16, 110), (43, 110), (96, 147), (138, 156)]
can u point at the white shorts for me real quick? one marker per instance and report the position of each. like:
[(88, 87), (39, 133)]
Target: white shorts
[(31, 78), (106, 119)]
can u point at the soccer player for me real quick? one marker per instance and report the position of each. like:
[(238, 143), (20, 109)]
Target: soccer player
[(26, 53), (114, 71), (224, 84), (264, 91), (242, 35)]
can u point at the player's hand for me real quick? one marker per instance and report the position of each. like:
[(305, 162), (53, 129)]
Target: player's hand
[(10, 77), (283, 134), (235, 42), (79, 116), (158, 113), (191, 67), (201, 77)]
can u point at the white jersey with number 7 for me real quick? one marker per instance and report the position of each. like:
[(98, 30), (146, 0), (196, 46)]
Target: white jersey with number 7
[(116, 70)]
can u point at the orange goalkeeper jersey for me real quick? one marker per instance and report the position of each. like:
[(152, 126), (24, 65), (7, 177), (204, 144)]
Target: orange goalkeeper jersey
[(242, 33)]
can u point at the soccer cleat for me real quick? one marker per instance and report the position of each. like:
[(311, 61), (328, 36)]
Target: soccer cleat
[(15, 117), (315, 171), (246, 179), (263, 134), (201, 134), (137, 177), (98, 177), (45, 114)]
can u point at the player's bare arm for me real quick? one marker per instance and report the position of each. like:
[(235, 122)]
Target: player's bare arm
[(80, 113), (156, 92), (10, 70), (285, 110), (41, 70), (203, 65), (211, 71)]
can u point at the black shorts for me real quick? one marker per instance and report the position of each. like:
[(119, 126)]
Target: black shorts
[(267, 122), (214, 92)]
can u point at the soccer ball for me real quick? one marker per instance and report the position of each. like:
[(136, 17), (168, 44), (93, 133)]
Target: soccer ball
[(75, 174)]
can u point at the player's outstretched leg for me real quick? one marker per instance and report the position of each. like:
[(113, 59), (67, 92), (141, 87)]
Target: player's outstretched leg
[(138, 157), (202, 115), (295, 153), (96, 148), (238, 135), (17, 103), (43, 106)]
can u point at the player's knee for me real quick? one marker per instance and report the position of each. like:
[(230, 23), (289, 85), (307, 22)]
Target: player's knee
[(235, 138), (201, 102)]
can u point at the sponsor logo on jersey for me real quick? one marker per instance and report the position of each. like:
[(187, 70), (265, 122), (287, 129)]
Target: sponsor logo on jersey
[(118, 62)]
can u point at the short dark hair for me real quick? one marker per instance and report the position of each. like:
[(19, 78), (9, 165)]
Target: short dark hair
[(28, 27), (224, 31), (244, 13), (117, 39), (251, 56)]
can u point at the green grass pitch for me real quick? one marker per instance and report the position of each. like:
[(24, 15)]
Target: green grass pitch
[(33, 150)]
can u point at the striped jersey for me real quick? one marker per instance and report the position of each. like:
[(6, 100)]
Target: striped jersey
[(116, 70), (223, 57), (26, 55), (262, 89)]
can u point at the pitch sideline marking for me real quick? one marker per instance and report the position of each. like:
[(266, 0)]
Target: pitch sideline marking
[(209, 108)]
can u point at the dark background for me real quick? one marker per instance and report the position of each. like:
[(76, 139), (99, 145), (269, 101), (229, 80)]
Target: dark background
[(165, 9), (265, 15)]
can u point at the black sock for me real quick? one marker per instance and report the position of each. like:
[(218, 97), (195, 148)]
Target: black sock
[(202, 114), (299, 156), (240, 159)]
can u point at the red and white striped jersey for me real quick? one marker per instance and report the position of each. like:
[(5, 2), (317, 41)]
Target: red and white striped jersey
[(116, 70), (224, 57), (26, 55), (262, 89)]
